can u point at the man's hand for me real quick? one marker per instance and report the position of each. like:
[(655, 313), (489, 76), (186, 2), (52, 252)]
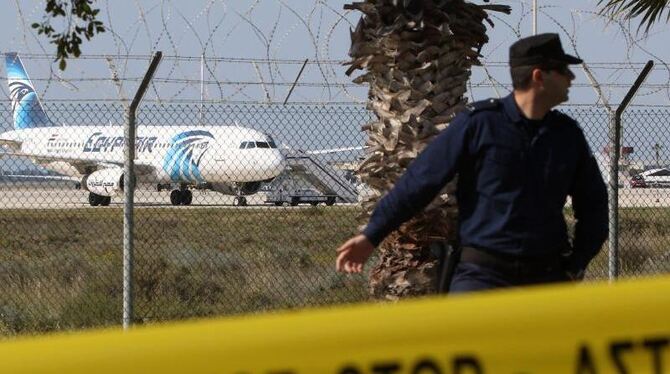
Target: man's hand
[(353, 254)]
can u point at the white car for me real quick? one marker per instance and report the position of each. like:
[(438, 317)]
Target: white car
[(656, 177)]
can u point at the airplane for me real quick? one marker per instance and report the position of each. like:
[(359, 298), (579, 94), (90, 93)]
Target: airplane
[(232, 160)]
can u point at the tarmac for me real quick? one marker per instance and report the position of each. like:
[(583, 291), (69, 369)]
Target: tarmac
[(60, 198), (644, 197), (63, 197)]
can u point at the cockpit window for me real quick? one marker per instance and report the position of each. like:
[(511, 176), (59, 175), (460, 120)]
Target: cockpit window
[(248, 145), (271, 141)]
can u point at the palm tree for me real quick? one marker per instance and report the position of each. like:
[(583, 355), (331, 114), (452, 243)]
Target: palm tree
[(651, 11), (417, 56)]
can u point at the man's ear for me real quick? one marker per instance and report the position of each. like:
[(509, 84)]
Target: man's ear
[(537, 75)]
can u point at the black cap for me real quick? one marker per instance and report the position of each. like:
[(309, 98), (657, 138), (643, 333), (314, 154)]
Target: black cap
[(537, 49)]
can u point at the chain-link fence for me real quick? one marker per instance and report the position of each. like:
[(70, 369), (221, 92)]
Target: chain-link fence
[(209, 238)]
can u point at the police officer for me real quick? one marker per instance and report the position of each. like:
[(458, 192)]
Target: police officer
[(517, 161)]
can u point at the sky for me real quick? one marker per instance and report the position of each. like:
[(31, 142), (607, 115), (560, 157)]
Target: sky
[(238, 39), (253, 51)]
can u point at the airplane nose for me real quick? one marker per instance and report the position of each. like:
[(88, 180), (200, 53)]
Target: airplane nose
[(273, 165), (279, 163)]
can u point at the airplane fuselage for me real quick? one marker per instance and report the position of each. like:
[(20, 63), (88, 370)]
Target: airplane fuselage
[(175, 154)]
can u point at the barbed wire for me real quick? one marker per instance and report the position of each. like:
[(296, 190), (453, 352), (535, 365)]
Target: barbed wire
[(308, 84), (295, 104), (216, 50), (37, 56)]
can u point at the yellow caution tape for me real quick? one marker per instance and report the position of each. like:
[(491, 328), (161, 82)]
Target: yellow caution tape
[(622, 328)]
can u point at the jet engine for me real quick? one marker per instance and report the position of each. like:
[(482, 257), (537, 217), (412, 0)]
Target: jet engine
[(105, 182)]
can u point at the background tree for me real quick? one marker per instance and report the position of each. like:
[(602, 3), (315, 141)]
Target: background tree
[(417, 56), (79, 18), (651, 11)]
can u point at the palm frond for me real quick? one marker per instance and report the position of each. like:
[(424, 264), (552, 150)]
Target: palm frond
[(650, 11)]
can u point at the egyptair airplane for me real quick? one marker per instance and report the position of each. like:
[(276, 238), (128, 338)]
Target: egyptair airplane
[(231, 160)]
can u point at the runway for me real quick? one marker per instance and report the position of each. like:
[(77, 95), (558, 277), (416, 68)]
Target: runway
[(63, 198), (35, 197), (644, 197)]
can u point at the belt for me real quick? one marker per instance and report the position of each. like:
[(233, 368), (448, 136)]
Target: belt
[(524, 266)]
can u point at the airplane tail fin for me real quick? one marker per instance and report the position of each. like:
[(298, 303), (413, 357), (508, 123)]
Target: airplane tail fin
[(26, 107)]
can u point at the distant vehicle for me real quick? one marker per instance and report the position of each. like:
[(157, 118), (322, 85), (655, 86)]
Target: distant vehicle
[(300, 196), (637, 181), (655, 177)]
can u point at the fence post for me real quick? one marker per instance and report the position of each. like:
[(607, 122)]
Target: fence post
[(129, 192), (296, 81), (613, 186), (613, 193)]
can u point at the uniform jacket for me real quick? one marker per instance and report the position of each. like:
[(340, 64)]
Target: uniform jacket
[(514, 176)]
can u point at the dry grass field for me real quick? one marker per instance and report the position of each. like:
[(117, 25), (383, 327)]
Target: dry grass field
[(62, 269)]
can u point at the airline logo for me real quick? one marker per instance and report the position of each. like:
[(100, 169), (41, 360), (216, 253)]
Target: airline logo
[(100, 143), (27, 110), (17, 91), (182, 161)]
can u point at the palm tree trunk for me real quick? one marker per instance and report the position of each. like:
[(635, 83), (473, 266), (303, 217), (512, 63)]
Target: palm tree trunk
[(417, 56)]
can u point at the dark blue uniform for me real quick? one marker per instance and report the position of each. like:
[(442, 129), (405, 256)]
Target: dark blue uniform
[(514, 176)]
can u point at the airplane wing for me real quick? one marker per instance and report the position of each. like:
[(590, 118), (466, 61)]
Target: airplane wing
[(59, 178), (333, 150), (84, 165)]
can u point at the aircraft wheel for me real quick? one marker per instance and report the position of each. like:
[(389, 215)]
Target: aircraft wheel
[(330, 201), (243, 201), (314, 203), (93, 199), (186, 197), (278, 203), (175, 197), (105, 200), (294, 201)]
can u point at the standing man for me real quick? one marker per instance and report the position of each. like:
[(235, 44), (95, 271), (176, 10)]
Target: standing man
[(517, 160)]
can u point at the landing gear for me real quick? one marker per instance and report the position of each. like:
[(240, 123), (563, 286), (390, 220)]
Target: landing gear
[(181, 197), (186, 197), (175, 197), (330, 201), (239, 199), (95, 199)]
